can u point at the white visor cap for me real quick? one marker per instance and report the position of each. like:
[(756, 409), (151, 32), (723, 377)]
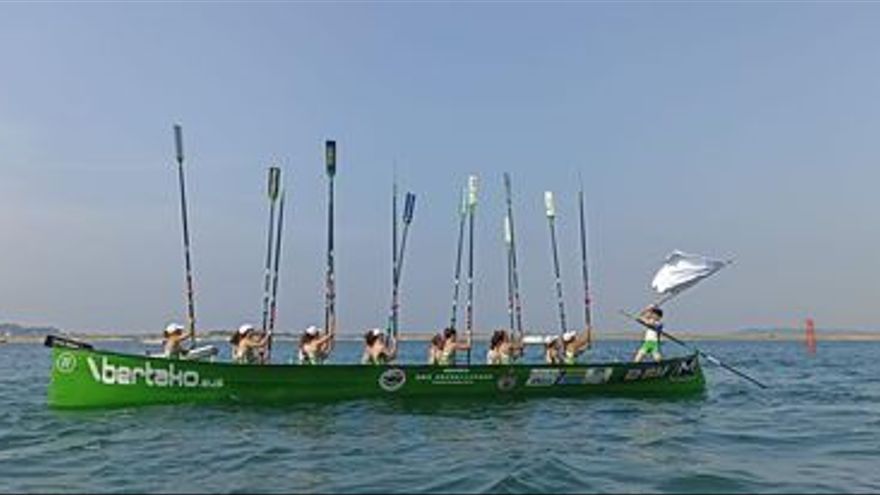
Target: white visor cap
[(173, 328)]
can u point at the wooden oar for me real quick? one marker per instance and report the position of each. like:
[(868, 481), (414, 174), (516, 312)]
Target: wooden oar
[(510, 238), (551, 220), (708, 356), (274, 176), (191, 305), (456, 283), (274, 305), (392, 320), (469, 313), (588, 315), (330, 287), (408, 210)]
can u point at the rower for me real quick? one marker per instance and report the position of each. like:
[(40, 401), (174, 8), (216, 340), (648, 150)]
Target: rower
[(446, 356), (172, 344), (376, 350), (435, 349), (314, 347), (502, 348), (248, 345), (573, 346), (551, 350), (651, 317)]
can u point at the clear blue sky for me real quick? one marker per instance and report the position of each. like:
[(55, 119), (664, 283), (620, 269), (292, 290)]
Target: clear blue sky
[(742, 129)]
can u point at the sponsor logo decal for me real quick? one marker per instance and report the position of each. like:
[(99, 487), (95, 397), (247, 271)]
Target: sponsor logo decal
[(548, 377), (685, 370), (392, 379), (118, 374), (543, 377), (597, 376), (454, 376), (65, 363), (506, 382), (654, 371)]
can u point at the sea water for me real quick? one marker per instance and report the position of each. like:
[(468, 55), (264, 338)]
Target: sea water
[(815, 430)]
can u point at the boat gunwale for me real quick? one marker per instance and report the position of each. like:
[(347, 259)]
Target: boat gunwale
[(626, 364)]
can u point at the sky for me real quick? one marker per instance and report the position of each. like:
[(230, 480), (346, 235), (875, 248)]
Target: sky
[(743, 129)]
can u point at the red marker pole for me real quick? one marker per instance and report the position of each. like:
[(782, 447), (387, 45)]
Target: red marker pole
[(811, 336)]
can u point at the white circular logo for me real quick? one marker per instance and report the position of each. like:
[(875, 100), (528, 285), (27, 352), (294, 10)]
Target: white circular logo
[(65, 363), (392, 379), (506, 382)]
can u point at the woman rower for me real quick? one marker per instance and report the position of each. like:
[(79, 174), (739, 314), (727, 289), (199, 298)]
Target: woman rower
[(435, 349), (502, 349), (172, 343), (247, 345), (376, 351), (551, 350), (314, 347), (446, 354), (573, 346)]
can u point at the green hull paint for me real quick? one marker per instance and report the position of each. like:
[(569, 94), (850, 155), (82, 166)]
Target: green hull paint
[(88, 378)]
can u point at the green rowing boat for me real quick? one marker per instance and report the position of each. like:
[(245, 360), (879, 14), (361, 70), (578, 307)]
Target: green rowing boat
[(84, 377)]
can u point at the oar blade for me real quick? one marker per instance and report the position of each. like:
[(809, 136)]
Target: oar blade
[(409, 207), (472, 186), (549, 204), (274, 179), (330, 157), (178, 142)]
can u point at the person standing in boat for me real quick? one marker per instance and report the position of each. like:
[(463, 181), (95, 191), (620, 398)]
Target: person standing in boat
[(573, 346), (248, 345), (651, 317), (446, 355), (502, 348), (314, 347), (172, 343), (376, 349)]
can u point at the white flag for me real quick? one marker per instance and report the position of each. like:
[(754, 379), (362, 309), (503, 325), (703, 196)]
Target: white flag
[(683, 270)]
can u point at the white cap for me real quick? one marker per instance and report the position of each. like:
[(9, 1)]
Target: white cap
[(569, 335), (376, 332), (312, 330), (173, 327), (245, 329), (549, 339)]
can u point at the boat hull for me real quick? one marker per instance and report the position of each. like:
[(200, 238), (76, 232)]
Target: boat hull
[(90, 378)]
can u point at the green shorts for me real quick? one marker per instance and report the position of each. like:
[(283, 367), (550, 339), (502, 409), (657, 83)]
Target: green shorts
[(650, 347)]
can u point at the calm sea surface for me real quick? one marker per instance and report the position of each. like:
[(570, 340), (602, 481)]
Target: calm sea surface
[(817, 429)]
